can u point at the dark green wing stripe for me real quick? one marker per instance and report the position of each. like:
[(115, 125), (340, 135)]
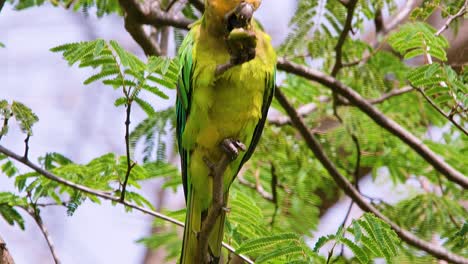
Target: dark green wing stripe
[(183, 103), (267, 97)]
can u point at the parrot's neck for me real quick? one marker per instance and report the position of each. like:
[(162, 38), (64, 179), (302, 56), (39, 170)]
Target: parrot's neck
[(214, 24)]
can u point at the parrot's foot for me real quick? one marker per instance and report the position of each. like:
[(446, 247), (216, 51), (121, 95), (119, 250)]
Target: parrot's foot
[(232, 147), (226, 209)]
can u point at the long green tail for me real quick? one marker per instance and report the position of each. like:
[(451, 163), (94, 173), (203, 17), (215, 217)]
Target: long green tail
[(190, 247)]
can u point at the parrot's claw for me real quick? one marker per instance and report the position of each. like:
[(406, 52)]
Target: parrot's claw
[(232, 147), (226, 209)]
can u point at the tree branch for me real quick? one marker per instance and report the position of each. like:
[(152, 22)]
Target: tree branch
[(391, 94), (351, 191), (217, 172), (356, 99), (5, 256), (448, 117), (148, 44), (35, 215), (26, 146), (2, 3), (149, 14), (102, 194), (460, 13), (130, 165), (344, 34), (281, 120), (257, 187), (307, 109)]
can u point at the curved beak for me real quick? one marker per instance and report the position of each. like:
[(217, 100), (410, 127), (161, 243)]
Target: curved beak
[(240, 17)]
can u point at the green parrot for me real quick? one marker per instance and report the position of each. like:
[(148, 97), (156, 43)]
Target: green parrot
[(225, 88)]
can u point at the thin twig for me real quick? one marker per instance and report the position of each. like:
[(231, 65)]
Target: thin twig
[(307, 109), (383, 97), (26, 146), (354, 194), (367, 57), (102, 194), (344, 34), (357, 166), (4, 127), (33, 212), (348, 213), (274, 192), (130, 165), (443, 84), (460, 13), (342, 225), (253, 186), (356, 99), (391, 94), (449, 118)]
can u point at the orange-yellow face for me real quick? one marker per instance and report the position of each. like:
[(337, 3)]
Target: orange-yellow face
[(221, 7)]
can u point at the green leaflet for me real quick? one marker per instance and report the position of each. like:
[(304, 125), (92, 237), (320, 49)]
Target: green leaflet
[(261, 244), (372, 238), (414, 39), (7, 203), (118, 68)]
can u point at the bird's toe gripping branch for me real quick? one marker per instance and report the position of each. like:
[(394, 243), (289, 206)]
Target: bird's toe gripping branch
[(232, 147)]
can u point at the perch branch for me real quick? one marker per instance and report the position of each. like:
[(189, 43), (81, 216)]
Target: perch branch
[(230, 150), (354, 194), (217, 171), (102, 194), (378, 117)]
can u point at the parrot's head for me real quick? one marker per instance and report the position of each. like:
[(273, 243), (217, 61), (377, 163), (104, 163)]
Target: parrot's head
[(226, 15)]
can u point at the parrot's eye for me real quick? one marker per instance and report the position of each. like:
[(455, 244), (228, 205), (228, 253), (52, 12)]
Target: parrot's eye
[(240, 17)]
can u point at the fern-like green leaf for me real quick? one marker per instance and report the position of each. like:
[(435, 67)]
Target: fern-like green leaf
[(260, 244), (25, 117)]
